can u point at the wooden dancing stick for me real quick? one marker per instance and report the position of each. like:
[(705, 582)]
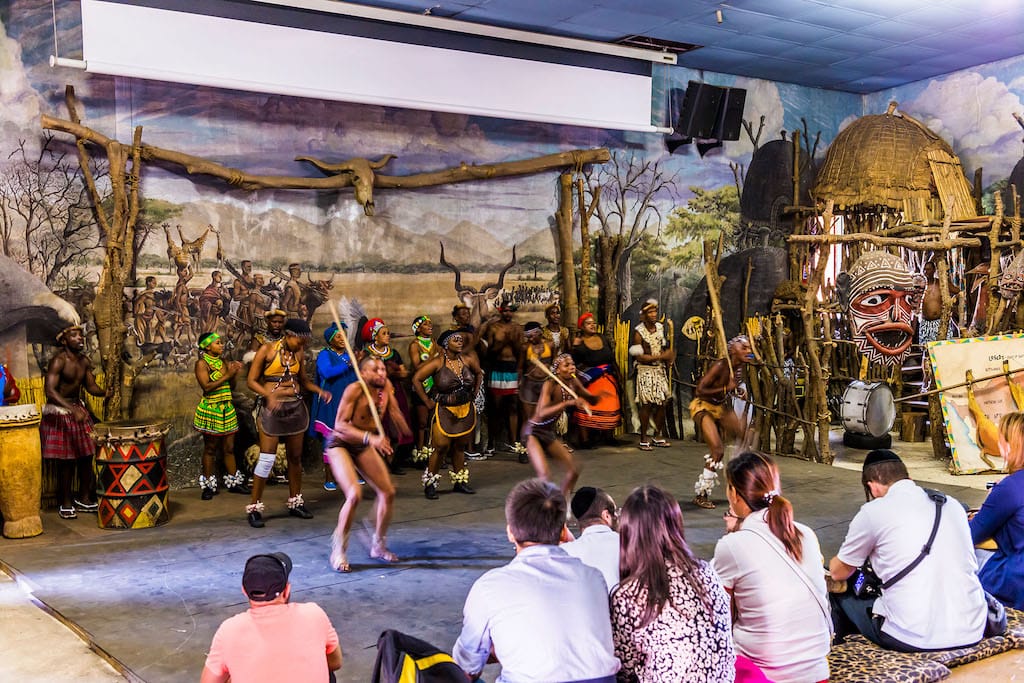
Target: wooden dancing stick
[(556, 378), (355, 366)]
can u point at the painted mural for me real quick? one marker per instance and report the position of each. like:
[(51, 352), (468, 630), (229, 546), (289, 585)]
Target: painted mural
[(195, 233), (212, 257)]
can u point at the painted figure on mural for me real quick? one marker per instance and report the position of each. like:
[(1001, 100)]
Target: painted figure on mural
[(291, 299), (215, 416), (713, 414), (457, 379), (211, 303), (652, 351), (181, 303), (422, 349), (66, 427), (356, 445), (278, 376), (881, 298)]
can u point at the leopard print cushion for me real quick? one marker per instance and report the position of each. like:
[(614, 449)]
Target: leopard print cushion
[(858, 660), (989, 647), (1015, 627)]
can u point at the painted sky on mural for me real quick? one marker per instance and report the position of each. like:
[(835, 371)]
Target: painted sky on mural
[(973, 111)]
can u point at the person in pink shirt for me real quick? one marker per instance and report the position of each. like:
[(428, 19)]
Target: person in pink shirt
[(274, 640)]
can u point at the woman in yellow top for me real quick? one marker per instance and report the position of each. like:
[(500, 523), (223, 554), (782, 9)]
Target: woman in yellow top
[(277, 375)]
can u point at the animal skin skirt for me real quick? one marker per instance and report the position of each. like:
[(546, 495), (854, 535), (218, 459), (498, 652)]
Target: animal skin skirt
[(291, 417)]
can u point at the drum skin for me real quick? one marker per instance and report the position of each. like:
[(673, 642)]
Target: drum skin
[(131, 474), (21, 473), (868, 408)]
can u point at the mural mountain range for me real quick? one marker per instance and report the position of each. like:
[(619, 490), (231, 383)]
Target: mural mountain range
[(276, 233)]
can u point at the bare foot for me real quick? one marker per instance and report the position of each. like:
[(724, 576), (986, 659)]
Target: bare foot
[(339, 559), (379, 551)]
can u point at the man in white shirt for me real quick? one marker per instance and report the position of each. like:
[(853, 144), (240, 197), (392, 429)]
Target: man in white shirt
[(939, 604), (544, 615), (598, 545)]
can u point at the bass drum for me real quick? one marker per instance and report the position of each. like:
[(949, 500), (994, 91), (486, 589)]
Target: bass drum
[(868, 408)]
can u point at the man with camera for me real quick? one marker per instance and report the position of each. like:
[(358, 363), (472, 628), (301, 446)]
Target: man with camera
[(939, 602)]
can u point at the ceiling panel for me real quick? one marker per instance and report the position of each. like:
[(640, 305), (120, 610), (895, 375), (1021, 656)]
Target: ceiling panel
[(852, 45)]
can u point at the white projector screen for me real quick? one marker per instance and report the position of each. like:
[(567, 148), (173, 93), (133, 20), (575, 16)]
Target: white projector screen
[(159, 44)]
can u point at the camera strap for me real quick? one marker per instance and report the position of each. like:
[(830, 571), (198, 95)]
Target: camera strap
[(939, 498), (823, 605)]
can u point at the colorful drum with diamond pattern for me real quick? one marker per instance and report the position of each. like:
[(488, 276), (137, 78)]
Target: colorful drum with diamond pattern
[(21, 477), (131, 474)]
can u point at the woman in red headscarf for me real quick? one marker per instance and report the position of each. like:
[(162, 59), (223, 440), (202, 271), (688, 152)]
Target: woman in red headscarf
[(594, 356)]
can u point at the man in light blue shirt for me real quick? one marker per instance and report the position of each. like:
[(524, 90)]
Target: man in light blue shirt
[(544, 615), (598, 545)]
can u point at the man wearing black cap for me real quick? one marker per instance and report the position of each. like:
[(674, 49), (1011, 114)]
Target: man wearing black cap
[(939, 603), (598, 545), (274, 640)]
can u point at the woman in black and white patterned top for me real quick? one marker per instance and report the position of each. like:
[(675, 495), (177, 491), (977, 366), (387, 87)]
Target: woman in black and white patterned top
[(670, 614)]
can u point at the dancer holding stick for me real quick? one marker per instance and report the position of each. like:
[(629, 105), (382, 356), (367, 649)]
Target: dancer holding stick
[(559, 393), (353, 447)]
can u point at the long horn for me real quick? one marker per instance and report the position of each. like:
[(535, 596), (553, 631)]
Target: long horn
[(381, 162), (459, 287), (501, 276)]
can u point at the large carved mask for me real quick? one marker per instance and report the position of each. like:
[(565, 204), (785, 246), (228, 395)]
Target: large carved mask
[(881, 298)]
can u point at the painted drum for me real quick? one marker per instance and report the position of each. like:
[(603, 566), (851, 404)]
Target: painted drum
[(21, 474), (868, 408), (131, 474)]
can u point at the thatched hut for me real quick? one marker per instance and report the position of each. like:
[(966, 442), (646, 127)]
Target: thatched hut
[(894, 161)]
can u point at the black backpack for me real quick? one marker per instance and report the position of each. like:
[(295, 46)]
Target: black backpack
[(402, 658)]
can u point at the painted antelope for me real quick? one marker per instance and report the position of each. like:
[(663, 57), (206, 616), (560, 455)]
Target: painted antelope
[(480, 301)]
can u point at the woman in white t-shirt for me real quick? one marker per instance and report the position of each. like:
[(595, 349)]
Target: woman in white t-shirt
[(774, 571)]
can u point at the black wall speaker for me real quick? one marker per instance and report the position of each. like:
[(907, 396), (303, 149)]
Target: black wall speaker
[(699, 112), (730, 114)]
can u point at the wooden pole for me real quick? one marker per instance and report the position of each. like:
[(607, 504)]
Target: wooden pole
[(567, 268)]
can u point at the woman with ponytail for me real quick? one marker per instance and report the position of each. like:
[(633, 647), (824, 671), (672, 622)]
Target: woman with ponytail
[(773, 568)]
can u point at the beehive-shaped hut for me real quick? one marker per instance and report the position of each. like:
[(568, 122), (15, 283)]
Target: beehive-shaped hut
[(893, 160), (768, 188)]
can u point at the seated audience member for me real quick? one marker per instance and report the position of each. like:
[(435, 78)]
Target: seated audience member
[(670, 615), (773, 568), (274, 640), (1001, 518), (544, 615), (939, 604), (598, 545)]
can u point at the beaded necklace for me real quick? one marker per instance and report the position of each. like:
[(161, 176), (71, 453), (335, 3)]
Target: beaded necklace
[(426, 345)]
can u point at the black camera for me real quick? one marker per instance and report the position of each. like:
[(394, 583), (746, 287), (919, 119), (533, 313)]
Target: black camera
[(866, 583)]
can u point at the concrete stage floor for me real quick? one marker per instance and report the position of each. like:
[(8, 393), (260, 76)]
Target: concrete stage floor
[(151, 599)]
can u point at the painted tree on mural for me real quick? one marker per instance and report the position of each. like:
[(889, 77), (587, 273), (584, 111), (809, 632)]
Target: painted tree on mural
[(47, 221), (706, 215), (627, 209)]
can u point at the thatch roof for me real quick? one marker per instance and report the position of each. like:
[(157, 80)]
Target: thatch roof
[(893, 160)]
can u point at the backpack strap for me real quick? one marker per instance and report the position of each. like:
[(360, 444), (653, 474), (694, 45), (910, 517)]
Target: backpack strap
[(939, 498)]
